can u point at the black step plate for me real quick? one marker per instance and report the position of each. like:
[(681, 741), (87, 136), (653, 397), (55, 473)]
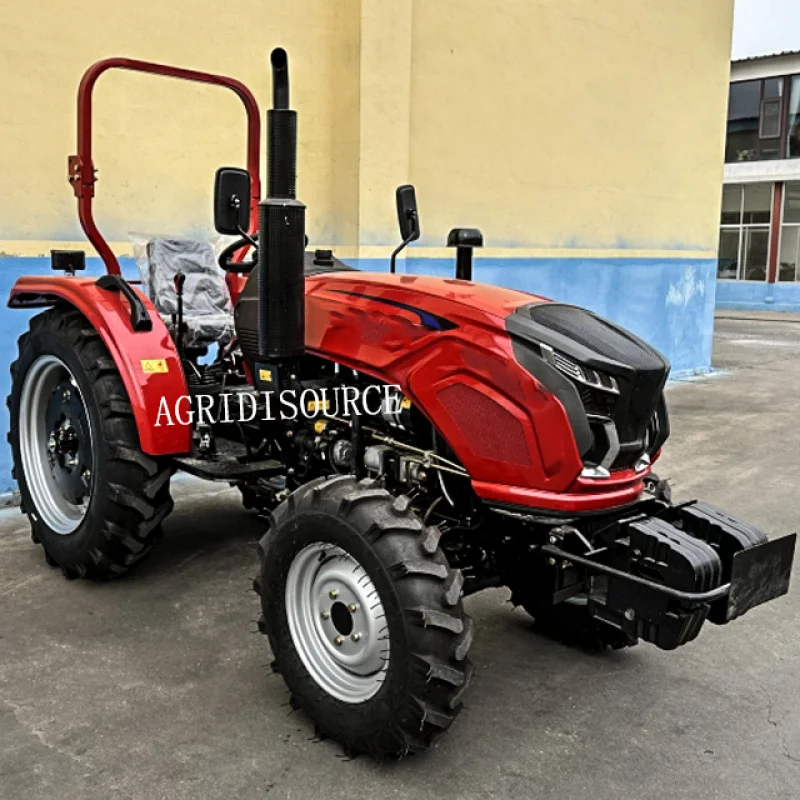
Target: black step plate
[(227, 469)]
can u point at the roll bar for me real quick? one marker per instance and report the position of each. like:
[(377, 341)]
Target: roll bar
[(81, 169)]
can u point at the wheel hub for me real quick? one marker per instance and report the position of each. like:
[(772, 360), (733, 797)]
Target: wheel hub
[(68, 445), (337, 622), (55, 444)]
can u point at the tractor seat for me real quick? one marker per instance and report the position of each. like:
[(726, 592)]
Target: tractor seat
[(207, 309)]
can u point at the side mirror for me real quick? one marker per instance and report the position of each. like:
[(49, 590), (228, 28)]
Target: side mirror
[(407, 214), (231, 200)]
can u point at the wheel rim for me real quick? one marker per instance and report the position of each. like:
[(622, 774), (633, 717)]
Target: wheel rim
[(55, 444), (337, 622)]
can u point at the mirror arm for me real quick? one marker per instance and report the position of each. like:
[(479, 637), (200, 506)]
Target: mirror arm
[(397, 250)]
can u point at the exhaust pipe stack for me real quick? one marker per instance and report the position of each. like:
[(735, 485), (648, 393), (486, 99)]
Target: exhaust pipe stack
[(281, 225)]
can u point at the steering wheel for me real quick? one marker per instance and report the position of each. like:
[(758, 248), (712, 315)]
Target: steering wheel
[(227, 254)]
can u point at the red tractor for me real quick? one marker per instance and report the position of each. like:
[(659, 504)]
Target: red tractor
[(446, 437)]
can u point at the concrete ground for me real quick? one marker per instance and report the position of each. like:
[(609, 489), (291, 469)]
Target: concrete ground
[(156, 686)]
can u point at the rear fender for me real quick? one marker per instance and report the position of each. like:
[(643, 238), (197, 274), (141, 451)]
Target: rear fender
[(147, 361)]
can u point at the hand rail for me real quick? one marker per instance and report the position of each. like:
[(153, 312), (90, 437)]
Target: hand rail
[(81, 169)]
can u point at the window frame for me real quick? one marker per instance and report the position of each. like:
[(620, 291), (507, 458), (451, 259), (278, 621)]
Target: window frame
[(783, 116), (779, 244), (764, 102), (743, 227)]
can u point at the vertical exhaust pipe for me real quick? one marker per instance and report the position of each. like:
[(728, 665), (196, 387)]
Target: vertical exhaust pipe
[(281, 225)]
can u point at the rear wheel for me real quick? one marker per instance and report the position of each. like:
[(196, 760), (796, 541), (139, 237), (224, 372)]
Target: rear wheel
[(364, 617), (95, 501)]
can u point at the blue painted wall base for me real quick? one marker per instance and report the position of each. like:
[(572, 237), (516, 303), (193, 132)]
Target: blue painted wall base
[(668, 302), (758, 296)]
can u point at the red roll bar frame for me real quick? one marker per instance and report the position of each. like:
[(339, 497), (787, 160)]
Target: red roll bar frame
[(81, 169)]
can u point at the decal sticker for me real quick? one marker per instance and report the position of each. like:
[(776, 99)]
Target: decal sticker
[(318, 405), (265, 375), (427, 319), (150, 365)]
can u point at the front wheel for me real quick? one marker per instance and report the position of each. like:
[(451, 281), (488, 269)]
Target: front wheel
[(364, 617)]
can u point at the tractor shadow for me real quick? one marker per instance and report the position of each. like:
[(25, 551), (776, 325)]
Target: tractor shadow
[(211, 530)]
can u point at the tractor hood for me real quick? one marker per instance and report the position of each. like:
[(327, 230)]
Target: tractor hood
[(425, 292), (610, 382)]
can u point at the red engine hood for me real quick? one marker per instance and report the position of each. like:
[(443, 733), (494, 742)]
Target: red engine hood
[(434, 295)]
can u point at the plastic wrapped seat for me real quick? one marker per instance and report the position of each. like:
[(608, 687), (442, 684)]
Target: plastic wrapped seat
[(207, 309)]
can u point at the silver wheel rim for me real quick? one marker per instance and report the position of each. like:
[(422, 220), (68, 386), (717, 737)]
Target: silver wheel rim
[(45, 465), (337, 622)]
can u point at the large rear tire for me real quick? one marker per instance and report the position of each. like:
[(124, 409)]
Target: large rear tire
[(94, 500), (364, 617)]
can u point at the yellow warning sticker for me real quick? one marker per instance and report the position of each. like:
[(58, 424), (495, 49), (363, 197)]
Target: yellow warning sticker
[(318, 405), (405, 403), (154, 365), (265, 375)]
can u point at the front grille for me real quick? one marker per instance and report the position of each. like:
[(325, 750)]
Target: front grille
[(618, 380), (625, 392), (580, 373), (597, 403), (568, 366)]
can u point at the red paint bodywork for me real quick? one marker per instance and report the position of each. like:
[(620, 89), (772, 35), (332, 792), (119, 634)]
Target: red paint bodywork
[(393, 345), (109, 313)]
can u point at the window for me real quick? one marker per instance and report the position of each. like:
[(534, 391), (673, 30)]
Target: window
[(744, 231), (789, 254), (793, 126), (755, 110)]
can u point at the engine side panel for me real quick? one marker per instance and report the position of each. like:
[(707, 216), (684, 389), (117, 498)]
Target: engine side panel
[(455, 361)]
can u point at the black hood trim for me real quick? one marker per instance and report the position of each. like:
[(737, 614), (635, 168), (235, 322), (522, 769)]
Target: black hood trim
[(563, 388), (521, 324), (595, 343)]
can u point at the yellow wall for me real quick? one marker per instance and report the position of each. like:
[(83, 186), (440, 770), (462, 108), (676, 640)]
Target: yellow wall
[(157, 141), (548, 123), (571, 123)]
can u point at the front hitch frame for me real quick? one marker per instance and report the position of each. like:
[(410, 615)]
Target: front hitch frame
[(660, 575)]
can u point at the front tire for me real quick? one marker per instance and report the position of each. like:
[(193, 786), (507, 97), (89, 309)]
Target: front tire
[(364, 617), (94, 500)]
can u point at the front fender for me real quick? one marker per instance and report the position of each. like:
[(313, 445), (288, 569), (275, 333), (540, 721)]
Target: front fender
[(133, 353)]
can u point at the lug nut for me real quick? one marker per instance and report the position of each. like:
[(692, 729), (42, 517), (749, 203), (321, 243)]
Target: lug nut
[(325, 615), (333, 594), (352, 608), (338, 641), (355, 637)]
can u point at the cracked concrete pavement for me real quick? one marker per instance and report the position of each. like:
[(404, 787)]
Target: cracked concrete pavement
[(156, 686)]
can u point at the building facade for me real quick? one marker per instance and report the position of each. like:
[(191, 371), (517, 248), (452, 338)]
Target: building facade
[(759, 236), (584, 139)]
